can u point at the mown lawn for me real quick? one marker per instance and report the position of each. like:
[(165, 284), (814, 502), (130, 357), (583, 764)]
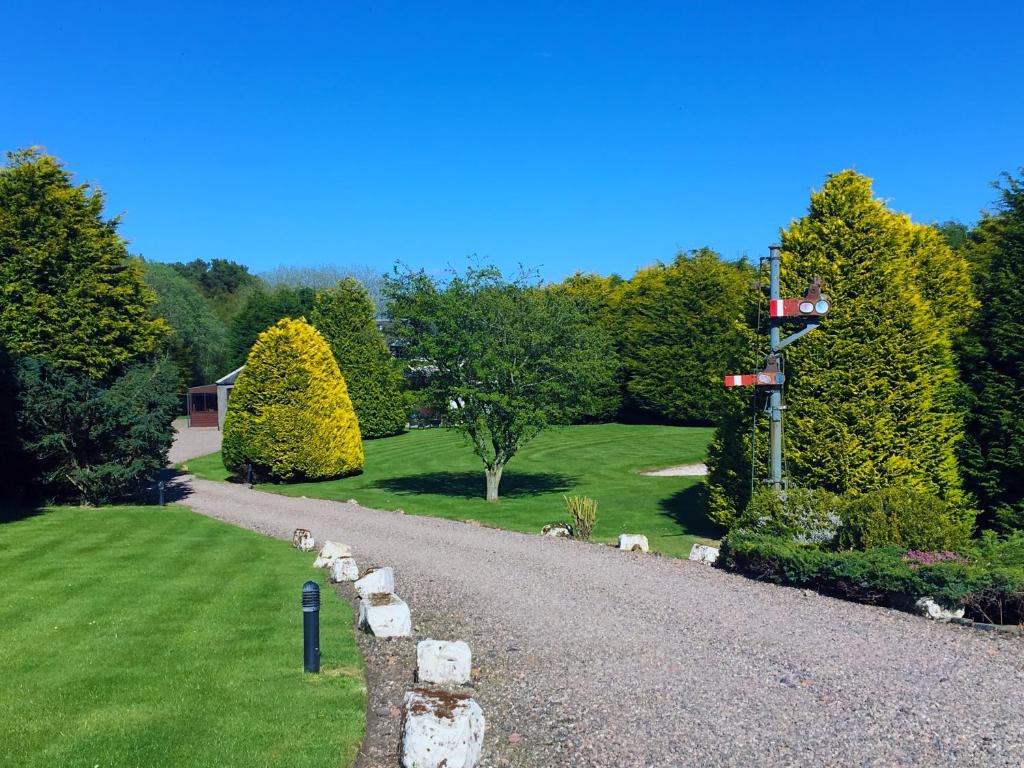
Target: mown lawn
[(145, 636), (434, 472)]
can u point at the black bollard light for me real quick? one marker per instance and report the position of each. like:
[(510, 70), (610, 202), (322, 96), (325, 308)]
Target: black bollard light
[(160, 489), (311, 626)]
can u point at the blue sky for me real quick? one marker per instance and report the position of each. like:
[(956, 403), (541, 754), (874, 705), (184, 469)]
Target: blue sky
[(564, 136)]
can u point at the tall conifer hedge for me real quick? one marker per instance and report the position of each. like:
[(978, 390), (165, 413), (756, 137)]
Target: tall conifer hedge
[(873, 398)]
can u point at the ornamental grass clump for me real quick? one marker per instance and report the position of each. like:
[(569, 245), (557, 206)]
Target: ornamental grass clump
[(583, 511), (290, 417)]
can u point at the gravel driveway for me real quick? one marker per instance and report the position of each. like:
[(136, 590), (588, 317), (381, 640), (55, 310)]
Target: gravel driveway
[(593, 657)]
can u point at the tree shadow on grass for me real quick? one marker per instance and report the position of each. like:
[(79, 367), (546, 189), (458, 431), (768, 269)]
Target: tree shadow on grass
[(687, 507), (471, 485)]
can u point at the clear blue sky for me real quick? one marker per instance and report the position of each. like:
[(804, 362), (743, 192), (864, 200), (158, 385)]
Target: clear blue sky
[(592, 136)]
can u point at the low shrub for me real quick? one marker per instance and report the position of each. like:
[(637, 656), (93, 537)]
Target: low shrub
[(802, 514), (903, 518), (583, 512), (883, 575)]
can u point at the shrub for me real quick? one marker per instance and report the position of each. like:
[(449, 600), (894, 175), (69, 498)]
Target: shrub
[(802, 514), (290, 416), (94, 441), (903, 518), (879, 576), (345, 316), (583, 512)]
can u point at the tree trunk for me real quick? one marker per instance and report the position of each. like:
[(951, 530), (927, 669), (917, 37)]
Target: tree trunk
[(493, 481)]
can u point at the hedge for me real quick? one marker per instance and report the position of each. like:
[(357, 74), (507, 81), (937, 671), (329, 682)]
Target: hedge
[(988, 587)]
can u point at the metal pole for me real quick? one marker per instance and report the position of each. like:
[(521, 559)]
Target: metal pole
[(311, 626), (775, 401)]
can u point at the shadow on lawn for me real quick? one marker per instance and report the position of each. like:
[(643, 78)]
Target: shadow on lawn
[(471, 485), (687, 508)]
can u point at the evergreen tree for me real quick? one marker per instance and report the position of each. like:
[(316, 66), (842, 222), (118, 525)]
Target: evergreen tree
[(261, 310), (344, 315), (198, 340), (290, 416), (683, 327), (873, 396), (70, 294), (993, 453)]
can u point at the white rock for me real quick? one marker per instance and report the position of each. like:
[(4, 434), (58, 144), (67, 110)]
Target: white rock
[(557, 530), (634, 542), (343, 569), (443, 663), (385, 615), (303, 540), (331, 551), (378, 580), (932, 610), (442, 730), (702, 553)]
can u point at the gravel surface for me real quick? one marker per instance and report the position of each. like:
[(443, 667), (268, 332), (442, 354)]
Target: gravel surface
[(589, 656), (681, 470), (189, 443)]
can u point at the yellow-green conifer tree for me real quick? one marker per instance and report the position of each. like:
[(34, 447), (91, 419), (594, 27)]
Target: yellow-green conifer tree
[(290, 416)]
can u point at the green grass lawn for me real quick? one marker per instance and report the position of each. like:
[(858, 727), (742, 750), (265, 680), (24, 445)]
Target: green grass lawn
[(434, 472), (149, 636)]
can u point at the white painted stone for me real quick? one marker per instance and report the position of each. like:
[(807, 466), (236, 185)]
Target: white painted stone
[(702, 553), (633, 542), (443, 663), (557, 530), (329, 552), (343, 569), (441, 732), (385, 615), (378, 580), (932, 610), (303, 540)]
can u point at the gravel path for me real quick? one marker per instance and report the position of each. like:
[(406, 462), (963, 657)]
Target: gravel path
[(593, 657), (189, 443)]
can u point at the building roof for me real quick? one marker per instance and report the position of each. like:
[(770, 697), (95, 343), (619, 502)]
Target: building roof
[(230, 378)]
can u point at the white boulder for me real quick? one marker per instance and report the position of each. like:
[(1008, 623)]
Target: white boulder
[(442, 730), (385, 615), (331, 551), (376, 581), (932, 610), (557, 530), (443, 663), (702, 553), (303, 540), (633, 542), (343, 569)]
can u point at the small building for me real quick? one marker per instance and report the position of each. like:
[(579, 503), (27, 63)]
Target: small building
[(208, 404)]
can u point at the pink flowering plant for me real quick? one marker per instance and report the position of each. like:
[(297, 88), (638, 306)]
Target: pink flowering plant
[(916, 557)]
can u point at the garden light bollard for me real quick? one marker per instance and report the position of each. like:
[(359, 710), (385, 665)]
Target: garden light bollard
[(311, 626), (160, 490)]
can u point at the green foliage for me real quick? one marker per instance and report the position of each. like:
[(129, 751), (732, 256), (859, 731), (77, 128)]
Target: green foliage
[(261, 310), (68, 291), (873, 398), (344, 315), (683, 327), (993, 362), (903, 518), (95, 442), (583, 513), (801, 514), (879, 576), (597, 299), (198, 339), (325, 276), (503, 358), (289, 415)]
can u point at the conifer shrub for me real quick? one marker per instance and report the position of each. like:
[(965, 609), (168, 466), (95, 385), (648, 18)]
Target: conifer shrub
[(344, 315), (801, 514), (903, 518), (289, 415)]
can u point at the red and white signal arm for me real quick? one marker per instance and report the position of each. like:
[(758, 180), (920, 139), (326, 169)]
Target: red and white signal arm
[(762, 379)]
